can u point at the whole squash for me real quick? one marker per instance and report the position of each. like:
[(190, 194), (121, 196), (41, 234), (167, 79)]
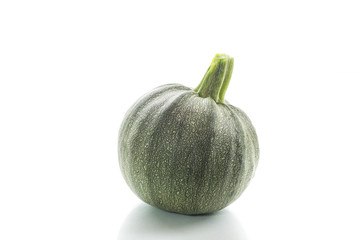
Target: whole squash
[(188, 150)]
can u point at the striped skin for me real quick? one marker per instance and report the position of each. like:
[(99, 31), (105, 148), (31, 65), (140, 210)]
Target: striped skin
[(184, 153)]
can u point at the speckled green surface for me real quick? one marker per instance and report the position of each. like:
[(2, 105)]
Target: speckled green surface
[(184, 153)]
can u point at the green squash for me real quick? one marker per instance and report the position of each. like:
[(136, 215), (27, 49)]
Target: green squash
[(188, 150)]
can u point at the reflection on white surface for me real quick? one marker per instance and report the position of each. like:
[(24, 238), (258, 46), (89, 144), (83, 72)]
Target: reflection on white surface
[(146, 222)]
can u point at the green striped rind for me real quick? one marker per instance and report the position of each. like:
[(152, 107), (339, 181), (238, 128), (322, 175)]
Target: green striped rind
[(184, 153)]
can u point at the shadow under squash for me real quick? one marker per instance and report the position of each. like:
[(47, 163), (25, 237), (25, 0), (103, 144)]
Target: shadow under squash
[(146, 222)]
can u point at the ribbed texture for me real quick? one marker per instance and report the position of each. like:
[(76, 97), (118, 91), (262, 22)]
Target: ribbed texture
[(184, 153)]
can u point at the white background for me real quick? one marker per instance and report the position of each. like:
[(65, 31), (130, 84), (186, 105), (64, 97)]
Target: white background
[(70, 69)]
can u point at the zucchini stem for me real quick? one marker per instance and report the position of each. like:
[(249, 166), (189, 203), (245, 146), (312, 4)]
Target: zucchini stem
[(217, 78)]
